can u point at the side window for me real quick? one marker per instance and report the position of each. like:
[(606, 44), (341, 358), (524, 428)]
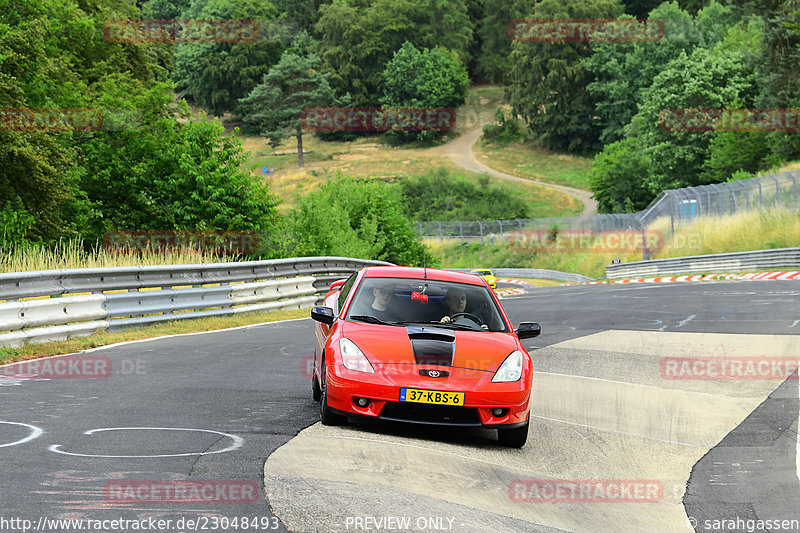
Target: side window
[(345, 291)]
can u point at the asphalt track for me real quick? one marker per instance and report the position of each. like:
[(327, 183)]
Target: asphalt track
[(235, 406)]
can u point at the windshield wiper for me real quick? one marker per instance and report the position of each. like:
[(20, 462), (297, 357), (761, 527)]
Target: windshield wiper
[(371, 320)]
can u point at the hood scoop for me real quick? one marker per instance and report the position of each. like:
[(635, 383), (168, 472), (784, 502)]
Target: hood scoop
[(432, 345)]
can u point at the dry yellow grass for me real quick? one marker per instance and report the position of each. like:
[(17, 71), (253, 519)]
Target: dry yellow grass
[(70, 254)]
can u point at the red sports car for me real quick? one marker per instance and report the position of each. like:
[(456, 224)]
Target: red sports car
[(424, 346)]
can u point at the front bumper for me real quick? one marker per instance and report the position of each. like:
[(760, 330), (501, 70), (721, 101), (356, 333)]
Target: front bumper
[(382, 389)]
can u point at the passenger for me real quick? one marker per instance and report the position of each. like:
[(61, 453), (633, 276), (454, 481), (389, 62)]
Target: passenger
[(381, 304)]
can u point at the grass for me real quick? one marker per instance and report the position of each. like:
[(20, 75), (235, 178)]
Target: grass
[(374, 158), (71, 254), (735, 233), (527, 160), (77, 344), (367, 157)]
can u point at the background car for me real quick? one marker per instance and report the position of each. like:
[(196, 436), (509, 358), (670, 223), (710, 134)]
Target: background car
[(421, 346), (486, 274)]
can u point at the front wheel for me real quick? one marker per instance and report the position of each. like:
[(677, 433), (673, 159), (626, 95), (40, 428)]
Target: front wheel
[(513, 438), (326, 416)]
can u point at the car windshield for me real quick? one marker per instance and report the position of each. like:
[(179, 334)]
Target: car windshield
[(482, 272), (401, 302)]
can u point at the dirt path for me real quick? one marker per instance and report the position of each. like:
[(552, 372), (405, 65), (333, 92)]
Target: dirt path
[(460, 151)]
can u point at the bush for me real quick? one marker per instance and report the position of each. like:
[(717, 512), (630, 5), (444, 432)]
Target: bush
[(438, 195), (354, 218), (506, 130)]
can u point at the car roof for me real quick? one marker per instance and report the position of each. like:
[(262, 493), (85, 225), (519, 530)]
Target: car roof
[(433, 274)]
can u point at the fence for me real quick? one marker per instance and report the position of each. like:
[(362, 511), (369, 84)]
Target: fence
[(715, 263), (680, 205), (123, 297)]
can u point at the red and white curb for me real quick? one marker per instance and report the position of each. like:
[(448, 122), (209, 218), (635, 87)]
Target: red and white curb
[(759, 276), (523, 285)]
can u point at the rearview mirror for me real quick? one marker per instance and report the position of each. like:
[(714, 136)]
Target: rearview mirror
[(336, 284), (528, 330), (322, 314)]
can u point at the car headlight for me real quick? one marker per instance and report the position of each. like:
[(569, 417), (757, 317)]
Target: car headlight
[(353, 358), (511, 369)]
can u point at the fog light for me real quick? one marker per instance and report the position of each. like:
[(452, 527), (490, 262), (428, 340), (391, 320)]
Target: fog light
[(498, 411), (362, 402)]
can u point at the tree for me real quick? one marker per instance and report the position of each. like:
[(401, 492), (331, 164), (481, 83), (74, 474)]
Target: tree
[(218, 74), (357, 41), (354, 218), (548, 81), (719, 78), (273, 108), (619, 178), (161, 174), (622, 71), (426, 78), (492, 62)]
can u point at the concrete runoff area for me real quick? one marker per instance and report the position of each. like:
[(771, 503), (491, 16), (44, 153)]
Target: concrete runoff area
[(621, 419)]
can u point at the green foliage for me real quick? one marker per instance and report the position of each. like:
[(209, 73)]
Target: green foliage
[(619, 177), (15, 224), (426, 78), (548, 81), (217, 75), (162, 174), (352, 218), (506, 130), (438, 195), (495, 42), (273, 108), (706, 79), (731, 152), (357, 41)]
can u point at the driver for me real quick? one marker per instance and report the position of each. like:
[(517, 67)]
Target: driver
[(455, 301)]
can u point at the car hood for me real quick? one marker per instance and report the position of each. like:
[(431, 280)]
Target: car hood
[(431, 345)]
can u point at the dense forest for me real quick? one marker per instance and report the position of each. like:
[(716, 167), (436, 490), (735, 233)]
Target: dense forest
[(151, 165)]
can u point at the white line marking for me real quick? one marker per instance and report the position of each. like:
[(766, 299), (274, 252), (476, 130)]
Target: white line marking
[(795, 323), (238, 442), (685, 321), (35, 432)]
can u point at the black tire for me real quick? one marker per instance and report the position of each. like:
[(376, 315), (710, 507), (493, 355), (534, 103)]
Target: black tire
[(513, 438), (326, 416), (316, 392)]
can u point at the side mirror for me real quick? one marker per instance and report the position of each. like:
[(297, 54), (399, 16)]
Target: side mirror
[(322, 314), (336, 284), (528, 330)]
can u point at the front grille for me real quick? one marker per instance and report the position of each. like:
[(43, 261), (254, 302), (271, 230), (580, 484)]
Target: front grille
[(447, 415)]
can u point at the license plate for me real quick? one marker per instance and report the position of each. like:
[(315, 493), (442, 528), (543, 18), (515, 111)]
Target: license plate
[(431, 396)]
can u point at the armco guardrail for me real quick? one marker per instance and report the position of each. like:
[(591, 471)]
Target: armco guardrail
[(535, 273), (716, 263), (123, 297)]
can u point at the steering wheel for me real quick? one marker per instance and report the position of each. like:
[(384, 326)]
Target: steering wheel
[(472, 317)]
